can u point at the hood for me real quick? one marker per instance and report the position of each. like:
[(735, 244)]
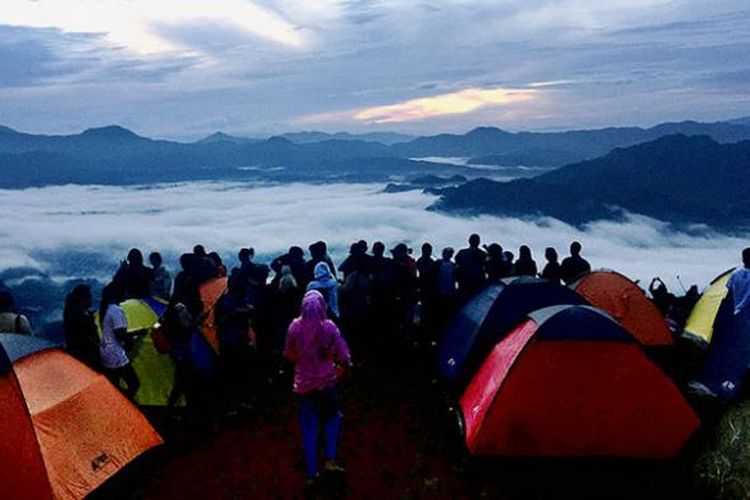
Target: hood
[(322, 272), (313, 306)]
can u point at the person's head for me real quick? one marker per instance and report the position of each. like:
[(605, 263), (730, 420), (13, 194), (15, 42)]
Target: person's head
[(378, 249), (426, 250), (550, 254), (251, 252), (400, 251), (575, 249), (447, 253), (474, 240), (79, 298), (317, 250), (322, 271), (6, 301), (111, 294), (186, 262), (296, 253), (524, 253), (746, 257), (313, 307), (216, 259), (362, 246), (244, 255), (495, 251), (259, 275), (135, 257), (199, 250), (354, 249), (508, 256), (155, 259)]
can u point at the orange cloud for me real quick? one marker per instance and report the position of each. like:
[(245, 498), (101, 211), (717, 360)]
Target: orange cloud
[(454, 103)]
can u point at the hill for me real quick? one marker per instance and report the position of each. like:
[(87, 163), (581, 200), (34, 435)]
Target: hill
[(676, 179)]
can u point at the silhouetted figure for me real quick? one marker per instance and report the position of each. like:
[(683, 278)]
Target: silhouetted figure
[(81, 334), (161, 280), (382, 302), (427, 287), (295, 259), (220, 270), (405, 288), (133, 278), (318, 253), (739, 286), (115, 338), (11, 321), (496, 266), (470, 268), (552, 270), (684, 305), (204, 267), (660, 296), (187, 287), (575, 266), (445, 290), (357, 260), (525, 265)]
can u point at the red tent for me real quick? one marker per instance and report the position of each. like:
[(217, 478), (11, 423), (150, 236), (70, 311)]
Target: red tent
[(64, 429), (621, 298), (569, 381)]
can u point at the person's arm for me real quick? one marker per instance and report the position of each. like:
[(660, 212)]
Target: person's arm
[(341, 354), (290, 346)]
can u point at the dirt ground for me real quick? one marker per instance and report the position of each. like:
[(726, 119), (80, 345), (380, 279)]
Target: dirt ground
[(398, 441)]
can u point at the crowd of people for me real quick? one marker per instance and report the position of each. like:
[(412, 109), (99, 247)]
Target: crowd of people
[(297, 310)]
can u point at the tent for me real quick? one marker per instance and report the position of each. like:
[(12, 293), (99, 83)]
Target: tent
[(64, 429), (155, 370), (623, 300), (700, 324), (211, 291), (488, 316), (569, 381)]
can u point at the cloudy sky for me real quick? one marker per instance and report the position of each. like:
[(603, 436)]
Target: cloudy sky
[(186, 68)]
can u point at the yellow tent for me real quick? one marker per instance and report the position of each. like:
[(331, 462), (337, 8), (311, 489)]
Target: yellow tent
[(700, 323), (156, 371)]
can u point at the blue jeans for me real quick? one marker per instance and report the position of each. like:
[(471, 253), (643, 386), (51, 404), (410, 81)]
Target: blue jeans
[(316, 409)]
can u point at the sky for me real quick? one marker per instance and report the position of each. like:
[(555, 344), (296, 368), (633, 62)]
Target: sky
[(77, 231), (188, 68)]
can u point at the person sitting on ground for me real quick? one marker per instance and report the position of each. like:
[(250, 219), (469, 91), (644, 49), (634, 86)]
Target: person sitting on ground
[(326, 284), (575, 266), (161, 279), (739, 285), (81, 334), (525, 265), (11, 321), (113, 356), (321, 357), (134, 278), (551, 271), (470, 268), (496, 267)]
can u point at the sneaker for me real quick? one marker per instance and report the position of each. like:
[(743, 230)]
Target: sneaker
[(333, 466)]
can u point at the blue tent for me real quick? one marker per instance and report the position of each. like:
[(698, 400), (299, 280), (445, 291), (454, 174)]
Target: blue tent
[(490, 315), (729, 352)]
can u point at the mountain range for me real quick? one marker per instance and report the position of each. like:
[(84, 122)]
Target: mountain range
[(678, 179), (115, 155)]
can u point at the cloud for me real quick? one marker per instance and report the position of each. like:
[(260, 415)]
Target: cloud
[(131, 23), (105, 221)]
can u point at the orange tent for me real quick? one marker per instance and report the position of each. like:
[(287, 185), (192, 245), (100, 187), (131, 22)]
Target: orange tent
[(211, 291), (624, 301), (64, 428)]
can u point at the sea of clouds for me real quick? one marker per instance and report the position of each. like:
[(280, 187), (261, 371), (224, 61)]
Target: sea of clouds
[(42, 226)]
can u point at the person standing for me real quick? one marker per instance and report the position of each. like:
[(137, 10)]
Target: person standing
[(81, 335), (739, 285), (470, 268), (161, 279), (575, 266), (321, 357), (112, 352)]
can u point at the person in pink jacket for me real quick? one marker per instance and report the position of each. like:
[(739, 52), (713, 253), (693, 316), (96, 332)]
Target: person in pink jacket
[(321, 356)]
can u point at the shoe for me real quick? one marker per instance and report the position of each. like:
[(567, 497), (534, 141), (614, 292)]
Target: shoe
[(333, 466)]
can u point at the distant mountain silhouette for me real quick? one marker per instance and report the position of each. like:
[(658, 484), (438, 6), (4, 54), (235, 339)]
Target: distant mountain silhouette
[(741, 121), (222, 137), (676, 179), (563, 147), (386, 138)]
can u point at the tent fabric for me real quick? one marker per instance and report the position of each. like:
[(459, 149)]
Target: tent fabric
[(211, 291), (624, 301), (700, 323), (728, 357), (16, 346), (547, 390), (488, 316), (65, 428), (155, 370)]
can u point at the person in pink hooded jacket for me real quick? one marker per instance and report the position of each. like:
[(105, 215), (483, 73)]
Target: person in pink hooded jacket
[(321, 356)]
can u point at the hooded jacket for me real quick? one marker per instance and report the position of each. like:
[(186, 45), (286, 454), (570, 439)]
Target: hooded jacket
[(315, 346), (326, 284)]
